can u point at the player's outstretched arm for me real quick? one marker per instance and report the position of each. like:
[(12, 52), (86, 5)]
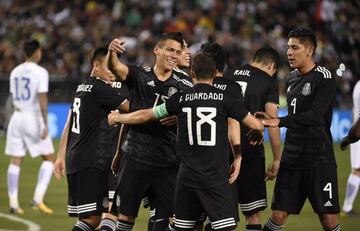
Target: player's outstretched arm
[(352, 137), (274, 136), (251, 122), (136, 117), (119, 69), (59, 166)]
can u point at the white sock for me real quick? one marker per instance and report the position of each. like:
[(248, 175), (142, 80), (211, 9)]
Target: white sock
[(13, 173), (45, 173), (352, 188)]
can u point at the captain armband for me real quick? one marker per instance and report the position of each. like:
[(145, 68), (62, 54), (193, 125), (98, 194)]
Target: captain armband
[(160, 111)]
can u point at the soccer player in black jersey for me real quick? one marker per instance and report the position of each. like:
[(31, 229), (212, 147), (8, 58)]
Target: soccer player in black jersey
[(308, 166), (203, 179), (215, 51), (150, 163), (87, 163), (260, 93)]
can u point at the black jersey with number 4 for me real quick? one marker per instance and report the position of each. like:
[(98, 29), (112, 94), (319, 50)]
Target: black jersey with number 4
[(152, 144), (94, 98), (203, 112), (310, 100), (109, 135), (258, 88)]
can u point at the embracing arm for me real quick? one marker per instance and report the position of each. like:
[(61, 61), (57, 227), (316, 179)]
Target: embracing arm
[(119, 69)]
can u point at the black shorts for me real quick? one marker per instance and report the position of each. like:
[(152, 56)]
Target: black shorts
[(87, 193), (251, 185), (112, 182), (137, 180), (319, 184), (217, 203)]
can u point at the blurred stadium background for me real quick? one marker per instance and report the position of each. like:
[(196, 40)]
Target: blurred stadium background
[(69, 30)]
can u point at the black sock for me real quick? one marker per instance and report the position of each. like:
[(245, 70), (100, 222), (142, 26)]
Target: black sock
[(82, 226), (271, 226), (170, 227), (122, 225), (337, 228), (160, 224), (150, 224), (253, 227), (208, 227), (107, 224)]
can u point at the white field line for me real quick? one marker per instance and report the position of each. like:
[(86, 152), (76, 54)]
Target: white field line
[(31, 225)]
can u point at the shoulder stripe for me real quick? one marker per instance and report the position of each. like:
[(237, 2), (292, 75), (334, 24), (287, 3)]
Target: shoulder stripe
[(186, 82), (181, 71), (326, 73)]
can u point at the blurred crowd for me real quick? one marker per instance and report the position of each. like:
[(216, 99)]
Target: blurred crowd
[(70, 29)]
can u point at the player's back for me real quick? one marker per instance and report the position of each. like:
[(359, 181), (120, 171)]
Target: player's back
[(203, 113), (26, 81)]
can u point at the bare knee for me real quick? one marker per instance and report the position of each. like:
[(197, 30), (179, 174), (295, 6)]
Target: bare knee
[(329, 221), (48, 157), (126, 218), (93, 221), (279, 217), (253, 218), (16, 160), (356, 171)]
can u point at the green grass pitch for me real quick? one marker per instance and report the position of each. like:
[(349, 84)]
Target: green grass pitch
[(56, 198)]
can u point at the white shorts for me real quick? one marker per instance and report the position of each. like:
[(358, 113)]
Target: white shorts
[(24, 133), (355, 155)]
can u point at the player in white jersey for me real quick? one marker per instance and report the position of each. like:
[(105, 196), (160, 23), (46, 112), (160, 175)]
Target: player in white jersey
[(353, 182), (28, 127)]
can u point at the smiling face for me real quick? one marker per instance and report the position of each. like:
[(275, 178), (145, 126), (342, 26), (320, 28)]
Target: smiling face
[(167, 54), (185, 57), (299, 54)]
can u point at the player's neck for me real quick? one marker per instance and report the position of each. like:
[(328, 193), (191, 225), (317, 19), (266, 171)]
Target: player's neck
[(162, 74), (306, 68), (31, 59), (219, 74), (203, 81)]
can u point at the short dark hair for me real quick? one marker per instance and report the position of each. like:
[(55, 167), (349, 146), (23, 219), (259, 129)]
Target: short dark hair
[(216, 51), (99, 53), (305, 36), (203, 66), (177, 36), (267, 55), (30, 46)]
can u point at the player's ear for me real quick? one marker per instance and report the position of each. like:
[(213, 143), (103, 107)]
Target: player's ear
[(192, 73), (156, 50)]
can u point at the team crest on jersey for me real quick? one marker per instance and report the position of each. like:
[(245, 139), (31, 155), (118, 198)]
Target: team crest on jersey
[(172, 90), (306, 89)]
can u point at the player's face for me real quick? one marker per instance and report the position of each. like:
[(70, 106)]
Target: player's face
[(167, 54), (101, 71), (297, 53), (184, 60)]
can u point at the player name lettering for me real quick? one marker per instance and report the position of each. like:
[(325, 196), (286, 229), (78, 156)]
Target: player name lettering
[(84, 87), (203, 96), (220, 86), (242, 72)]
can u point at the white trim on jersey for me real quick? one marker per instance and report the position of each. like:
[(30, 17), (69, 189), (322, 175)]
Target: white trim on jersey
[(181, 71), (326, 73)]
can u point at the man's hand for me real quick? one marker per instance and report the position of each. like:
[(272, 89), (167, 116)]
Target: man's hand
[(168, 121), (271, 122), (255, 137), (235, 169), (262, 115), (44, 132), (59, 168), (344, 143), (117, 45), (272, 170), (112, 118)]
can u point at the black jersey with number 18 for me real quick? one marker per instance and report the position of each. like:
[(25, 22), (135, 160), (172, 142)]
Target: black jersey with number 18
[(203, 112), (94, 98)]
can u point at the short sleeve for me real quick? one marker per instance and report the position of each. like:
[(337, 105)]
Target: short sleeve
[(44, 81), (132, 76), (273, 92), (107, 96), (236, 109), (356, 100), (173, 103)]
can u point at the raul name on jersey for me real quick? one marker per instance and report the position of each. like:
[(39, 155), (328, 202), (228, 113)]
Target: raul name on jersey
[(299, 96)]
